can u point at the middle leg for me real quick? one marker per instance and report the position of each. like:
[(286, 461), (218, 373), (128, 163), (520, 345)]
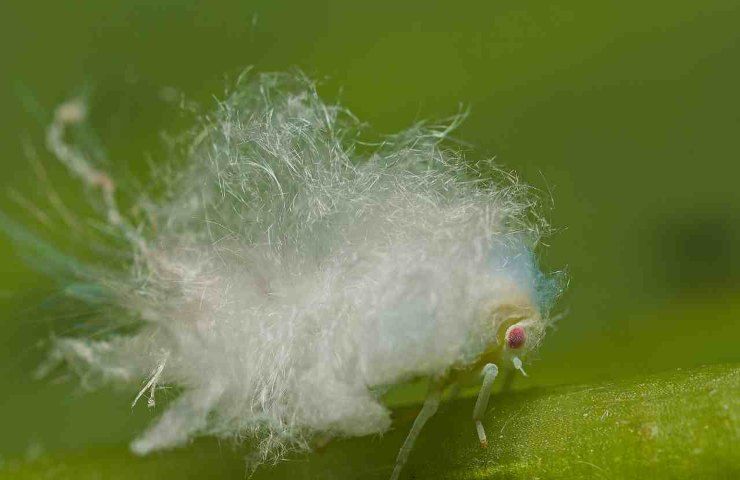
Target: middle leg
[(427, 411)]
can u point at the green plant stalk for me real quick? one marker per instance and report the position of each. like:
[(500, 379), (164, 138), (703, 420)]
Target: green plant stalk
[(679, 424)]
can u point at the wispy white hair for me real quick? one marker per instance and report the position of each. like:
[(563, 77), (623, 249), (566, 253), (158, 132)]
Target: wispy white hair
[(286, 271)]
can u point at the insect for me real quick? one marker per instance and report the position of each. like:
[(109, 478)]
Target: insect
[(283, 273)]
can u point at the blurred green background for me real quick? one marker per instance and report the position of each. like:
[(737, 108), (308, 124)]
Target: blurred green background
[(626, 112)]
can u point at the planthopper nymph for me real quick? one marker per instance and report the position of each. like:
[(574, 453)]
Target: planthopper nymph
[(281, 272)]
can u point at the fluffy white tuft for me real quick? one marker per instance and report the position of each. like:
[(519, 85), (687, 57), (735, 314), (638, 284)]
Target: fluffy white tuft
[(290, 271)]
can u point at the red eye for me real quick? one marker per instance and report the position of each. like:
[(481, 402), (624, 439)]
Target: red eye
[(515, 337)]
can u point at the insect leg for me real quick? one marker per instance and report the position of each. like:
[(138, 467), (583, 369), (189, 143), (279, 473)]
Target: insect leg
[(489, 375), (427, 411)]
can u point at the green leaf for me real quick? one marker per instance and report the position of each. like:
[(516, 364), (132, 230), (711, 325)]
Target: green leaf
[(681, 424)]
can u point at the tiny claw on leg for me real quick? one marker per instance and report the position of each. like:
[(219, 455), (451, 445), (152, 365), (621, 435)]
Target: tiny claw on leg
[(481, 434), (489, 375)]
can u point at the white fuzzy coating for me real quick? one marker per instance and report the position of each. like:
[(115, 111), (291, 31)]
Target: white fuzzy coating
[(291, 271)]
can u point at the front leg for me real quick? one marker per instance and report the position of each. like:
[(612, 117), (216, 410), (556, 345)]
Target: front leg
[(489, 375)]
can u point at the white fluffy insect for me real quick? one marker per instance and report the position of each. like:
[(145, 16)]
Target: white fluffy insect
[(289, 273)]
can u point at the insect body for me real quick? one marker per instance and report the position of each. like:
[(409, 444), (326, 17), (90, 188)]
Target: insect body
[(290, 271), (513, 338)]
